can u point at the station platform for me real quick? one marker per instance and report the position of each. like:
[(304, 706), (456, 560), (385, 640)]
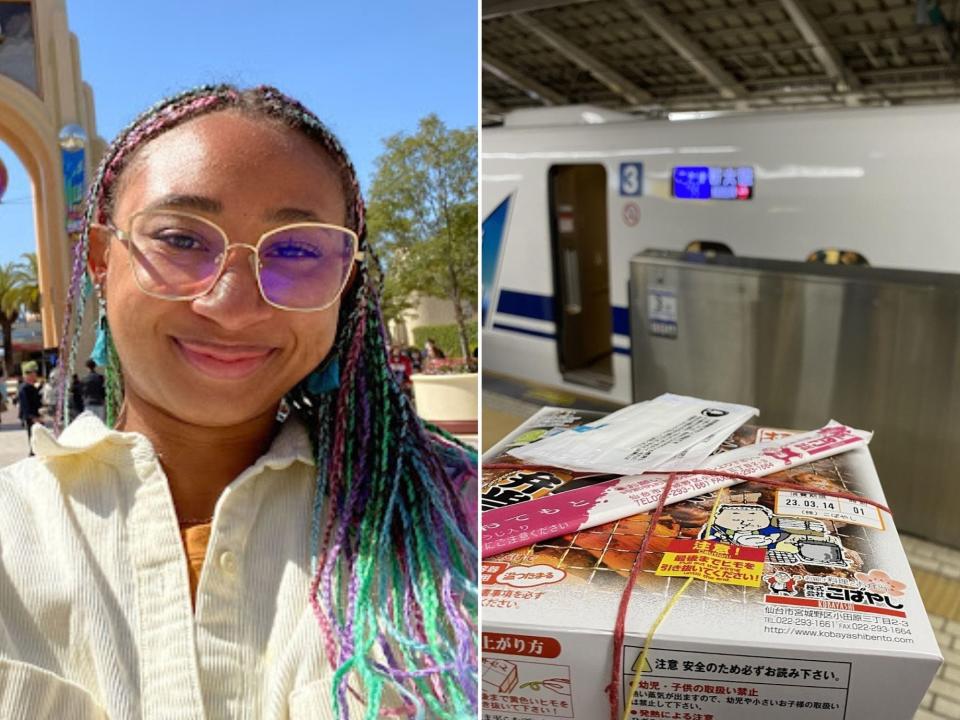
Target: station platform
[(507, 402)]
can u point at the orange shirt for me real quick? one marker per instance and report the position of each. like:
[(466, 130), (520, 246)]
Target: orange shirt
[(195, 539)]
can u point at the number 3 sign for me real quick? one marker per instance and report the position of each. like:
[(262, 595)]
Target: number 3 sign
[(631, 179)]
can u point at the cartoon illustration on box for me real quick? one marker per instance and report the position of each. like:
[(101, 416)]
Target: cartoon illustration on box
[(747, 525), (781, 583), (788, 540), (499, 675), (527, 687)]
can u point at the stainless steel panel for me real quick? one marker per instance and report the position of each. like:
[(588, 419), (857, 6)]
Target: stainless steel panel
[(876, 349)]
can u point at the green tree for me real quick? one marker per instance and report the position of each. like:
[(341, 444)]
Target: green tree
[(423, 217), (394, 297), (13, 295), (27, 276)]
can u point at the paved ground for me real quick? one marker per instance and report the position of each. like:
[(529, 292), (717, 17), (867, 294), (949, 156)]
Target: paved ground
[(13, 438), (936, 568)]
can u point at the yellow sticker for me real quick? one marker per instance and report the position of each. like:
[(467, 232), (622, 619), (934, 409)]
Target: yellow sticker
[(714, 562)]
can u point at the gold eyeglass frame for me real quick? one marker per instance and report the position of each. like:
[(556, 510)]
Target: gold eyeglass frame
[(255, 262)]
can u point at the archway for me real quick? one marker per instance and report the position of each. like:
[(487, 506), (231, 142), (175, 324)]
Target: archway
[(42, 94), (26, 128)]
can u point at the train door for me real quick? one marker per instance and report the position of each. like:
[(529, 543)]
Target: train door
[(578, 225)]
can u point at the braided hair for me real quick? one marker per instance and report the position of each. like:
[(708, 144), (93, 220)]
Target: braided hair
[(394, 586)]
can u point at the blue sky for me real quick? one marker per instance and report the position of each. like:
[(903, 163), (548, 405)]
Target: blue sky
[(368, 68)]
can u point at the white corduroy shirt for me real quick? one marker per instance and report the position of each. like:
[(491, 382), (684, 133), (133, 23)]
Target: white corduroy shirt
[(95, 613)]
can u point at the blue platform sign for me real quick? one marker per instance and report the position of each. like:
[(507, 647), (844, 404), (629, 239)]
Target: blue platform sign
[(691, 183), (631, 179), (713, 183)]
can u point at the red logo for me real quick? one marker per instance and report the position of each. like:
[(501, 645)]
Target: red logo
[(489, 571)]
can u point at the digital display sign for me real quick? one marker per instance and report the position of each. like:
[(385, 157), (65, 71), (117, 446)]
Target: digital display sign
[(713, 183)]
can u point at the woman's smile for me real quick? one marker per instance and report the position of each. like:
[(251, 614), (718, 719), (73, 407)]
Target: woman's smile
[(230, 362)]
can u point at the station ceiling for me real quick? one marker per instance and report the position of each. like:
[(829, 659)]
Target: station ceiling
[(653, 57)]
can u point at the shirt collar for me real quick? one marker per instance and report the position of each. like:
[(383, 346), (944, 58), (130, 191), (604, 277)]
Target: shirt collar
[(89, 435)]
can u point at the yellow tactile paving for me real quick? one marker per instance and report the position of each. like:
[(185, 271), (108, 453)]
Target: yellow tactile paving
[(496, 424), (941, 595)]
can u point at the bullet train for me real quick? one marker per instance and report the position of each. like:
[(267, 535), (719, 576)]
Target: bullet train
[(569, 195)]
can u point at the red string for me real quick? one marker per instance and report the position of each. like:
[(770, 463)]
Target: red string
[(613, 689)]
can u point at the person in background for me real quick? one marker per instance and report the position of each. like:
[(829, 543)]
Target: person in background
[(3, 392), (433, 351), (76, 395), (47, 392), (92, 391), (29, 399), (416, 359), (401, 367)]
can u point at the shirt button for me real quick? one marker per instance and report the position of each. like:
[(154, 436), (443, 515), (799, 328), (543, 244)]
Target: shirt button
[(228, 561)]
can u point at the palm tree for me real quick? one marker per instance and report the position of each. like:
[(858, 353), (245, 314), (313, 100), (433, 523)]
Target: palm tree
[(13, 295), (27, 275)]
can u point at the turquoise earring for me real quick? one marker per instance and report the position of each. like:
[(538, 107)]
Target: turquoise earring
[(305, 396), (325, 378), (99, 355)]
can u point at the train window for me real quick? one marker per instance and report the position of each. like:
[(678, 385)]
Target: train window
[(703, 182)]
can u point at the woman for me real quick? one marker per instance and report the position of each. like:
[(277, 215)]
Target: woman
[(433, 351), (251, 418)]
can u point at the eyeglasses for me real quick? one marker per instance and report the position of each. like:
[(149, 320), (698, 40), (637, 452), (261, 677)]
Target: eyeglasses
[(179, 256)]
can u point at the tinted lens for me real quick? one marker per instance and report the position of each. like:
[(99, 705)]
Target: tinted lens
[(305, 266), (175, 255)]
